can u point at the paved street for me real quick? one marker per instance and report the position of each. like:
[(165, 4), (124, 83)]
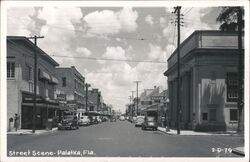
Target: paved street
[(121, 138)]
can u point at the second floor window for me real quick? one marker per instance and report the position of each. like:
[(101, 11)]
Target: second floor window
[(10, 69), (64, 81), (232, 87)]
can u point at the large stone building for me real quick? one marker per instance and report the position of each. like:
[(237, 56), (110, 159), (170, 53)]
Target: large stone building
[(20, 84), (208, 81), (70, 90)]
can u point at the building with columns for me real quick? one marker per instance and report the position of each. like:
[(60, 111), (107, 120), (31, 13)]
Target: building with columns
[(208, 81)]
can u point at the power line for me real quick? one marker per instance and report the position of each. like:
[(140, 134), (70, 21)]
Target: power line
[(187, 11), (109, 59)]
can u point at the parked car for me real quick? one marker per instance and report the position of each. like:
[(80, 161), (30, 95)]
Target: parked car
[(134, 119), (98, 118), (84, 121), (139, 120), (113, 119), (149, 122), (122, 118), (68, 122)]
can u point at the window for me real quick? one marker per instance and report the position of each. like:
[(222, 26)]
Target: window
[(232, 87), (75, 83), (10, 69), (29, 72), (64, 81), (212, 115), (204, 116), (233, 115)]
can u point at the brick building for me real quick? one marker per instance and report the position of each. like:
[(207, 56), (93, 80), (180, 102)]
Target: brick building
[(20, 84), (208, 76), (71, 87), (95, 99)]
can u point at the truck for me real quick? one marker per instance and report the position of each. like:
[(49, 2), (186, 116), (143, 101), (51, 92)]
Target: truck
[(150, 120)]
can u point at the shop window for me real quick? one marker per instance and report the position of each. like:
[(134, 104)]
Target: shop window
[(10, 69), (204, 116), (64, 81), (233, 115), (212, 115), (232, 87)]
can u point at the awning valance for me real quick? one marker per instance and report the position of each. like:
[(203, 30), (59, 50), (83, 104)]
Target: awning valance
[(54, 80), (44, 75)]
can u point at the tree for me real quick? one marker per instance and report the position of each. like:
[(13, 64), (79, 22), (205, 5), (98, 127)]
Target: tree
[(228, 18), (232, 20)]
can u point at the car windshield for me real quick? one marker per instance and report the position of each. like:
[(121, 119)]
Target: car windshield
[(151, 118)]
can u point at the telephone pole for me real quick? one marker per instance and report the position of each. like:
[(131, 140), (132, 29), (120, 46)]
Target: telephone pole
[(132, 98), (87, 86), (137, 101), (177, 11), (240, 102), (35, 82)]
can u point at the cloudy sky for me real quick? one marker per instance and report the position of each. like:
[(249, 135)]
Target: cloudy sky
[(111, 46)]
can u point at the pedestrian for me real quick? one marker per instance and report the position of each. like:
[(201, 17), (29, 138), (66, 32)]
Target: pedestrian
[(16, 121)]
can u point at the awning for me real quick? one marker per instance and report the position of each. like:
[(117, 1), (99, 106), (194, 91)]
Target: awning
[(54, 80), (44, 75), (41, 105)]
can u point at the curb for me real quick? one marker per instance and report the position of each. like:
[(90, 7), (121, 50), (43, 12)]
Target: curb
[(30, 133), (196, 134), (238, 152), (165, 132)]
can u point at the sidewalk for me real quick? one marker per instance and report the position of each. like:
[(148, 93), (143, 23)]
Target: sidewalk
[(29, 131), (194, 133), (239, 151)]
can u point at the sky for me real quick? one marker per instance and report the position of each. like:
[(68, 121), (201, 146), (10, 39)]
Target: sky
[(111, 46)]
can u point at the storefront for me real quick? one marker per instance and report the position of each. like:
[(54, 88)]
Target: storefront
[(46, 111)]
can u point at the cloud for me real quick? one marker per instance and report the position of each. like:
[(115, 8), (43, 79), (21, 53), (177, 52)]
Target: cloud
[(18, 20), (156, 53), (111, 22), (83, 51), (149, 19), (115, 53), (163, 22)]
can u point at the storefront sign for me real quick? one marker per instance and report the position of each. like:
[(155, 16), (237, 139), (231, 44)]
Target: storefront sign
[(157, 98)]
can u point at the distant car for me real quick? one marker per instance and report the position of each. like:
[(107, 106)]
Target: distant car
[(122, 118), (84, 121), (113, 119), (139, 120), (69, 122), (134, 119), (149, 122), (98, 118)]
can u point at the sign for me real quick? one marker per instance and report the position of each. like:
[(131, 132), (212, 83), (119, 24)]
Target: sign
[(157, 98), (61, 97), (71, 105)]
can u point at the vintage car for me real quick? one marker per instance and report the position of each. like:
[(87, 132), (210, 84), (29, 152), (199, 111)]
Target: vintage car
[(68, 122)]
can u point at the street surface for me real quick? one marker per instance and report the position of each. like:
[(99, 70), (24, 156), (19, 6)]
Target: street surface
[(119, 139)]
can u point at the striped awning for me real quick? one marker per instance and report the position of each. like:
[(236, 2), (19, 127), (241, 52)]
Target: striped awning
[(54, 80), (44, 75)]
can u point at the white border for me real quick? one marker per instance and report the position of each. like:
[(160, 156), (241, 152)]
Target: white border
[(6, 4)]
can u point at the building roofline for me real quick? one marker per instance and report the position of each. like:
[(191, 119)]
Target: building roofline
[(200, 31), (32, 45)]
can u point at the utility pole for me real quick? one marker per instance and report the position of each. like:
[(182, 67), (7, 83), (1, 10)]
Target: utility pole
[(137, 101), (132, 104), (177, 11), (35, 82), (240, 102), (87, 86)]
